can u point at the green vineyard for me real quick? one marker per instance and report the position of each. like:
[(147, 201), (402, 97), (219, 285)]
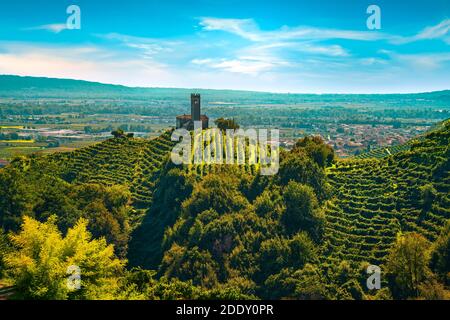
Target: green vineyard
[(374, 199), (385, 152), (319, 220), (135, 163)]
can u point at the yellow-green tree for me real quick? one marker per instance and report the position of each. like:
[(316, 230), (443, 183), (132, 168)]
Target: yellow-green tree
[(407, 265), (440, 256), (43, 258), (3, 250)]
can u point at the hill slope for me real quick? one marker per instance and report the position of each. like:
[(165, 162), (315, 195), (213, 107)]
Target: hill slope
[(303, 233), (135, 163), (375, 199)]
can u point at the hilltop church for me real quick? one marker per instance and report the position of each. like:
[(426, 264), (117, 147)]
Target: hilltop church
[(186, 121)]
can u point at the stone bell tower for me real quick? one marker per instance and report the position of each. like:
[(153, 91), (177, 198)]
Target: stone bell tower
[(195, 107)]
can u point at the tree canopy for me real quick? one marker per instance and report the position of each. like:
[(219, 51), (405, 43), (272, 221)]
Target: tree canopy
[(41, 263)]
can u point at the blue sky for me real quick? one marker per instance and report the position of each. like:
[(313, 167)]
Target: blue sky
[(265, 45)]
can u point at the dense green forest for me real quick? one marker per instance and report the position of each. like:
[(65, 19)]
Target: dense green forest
[(140, 227)]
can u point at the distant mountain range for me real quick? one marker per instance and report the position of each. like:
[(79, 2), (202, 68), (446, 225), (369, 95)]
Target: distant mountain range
[(29, 87)]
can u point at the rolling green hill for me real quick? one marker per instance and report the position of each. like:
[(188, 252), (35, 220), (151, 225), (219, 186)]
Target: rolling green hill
[(373, 199), (303, 233)]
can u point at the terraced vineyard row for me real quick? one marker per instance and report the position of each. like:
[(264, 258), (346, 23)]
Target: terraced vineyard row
[(208, 166), (374, 199), (387, 151), (134, 163)]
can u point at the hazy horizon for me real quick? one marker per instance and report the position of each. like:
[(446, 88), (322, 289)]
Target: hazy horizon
[(227, 89)]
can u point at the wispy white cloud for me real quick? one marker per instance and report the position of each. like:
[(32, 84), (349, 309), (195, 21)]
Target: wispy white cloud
[(156, 45), (312, 33), (371, 61), (250, 65), (330, 50), (304, 46), (439, 31), (306, 50), (54, 27), (149, 48), (248, 29), (424, 61), (269, 51)]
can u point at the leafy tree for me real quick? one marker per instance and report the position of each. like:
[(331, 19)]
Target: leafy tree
[(433, 290), (274, 256), (224, 124), (346, 280), (317, 149), (217, 191), (351, 290), (269, 204), (174, 187), (108, 211), (193, 264), (139, 277), (278, 254), (302, 250), (28, 190), (172, 289), (305, 284), (42, 258), (407, 265), (310, 284), (207, 216), (236, 288), (31, 191), (440, 255), (195, 232), (219, 236), (118, 133), (16, 198), (4, 249), (299, 167), (382, 294), (279, 286), (302, 211), (142, 284), (428, 195)]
